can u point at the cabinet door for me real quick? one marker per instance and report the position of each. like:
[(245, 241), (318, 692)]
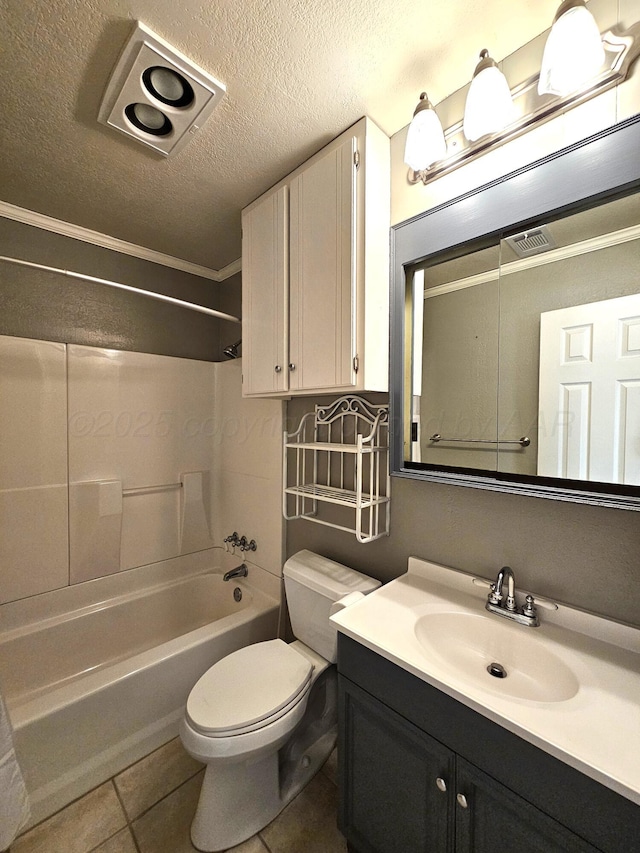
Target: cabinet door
[(264, 295), (391, 776), (322, 273), (492, 818)]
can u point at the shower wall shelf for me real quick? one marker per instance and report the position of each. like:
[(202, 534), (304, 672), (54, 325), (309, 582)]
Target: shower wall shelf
[(340, 455)]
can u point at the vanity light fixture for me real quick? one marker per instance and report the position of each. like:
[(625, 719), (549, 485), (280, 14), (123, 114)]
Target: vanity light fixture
[(157, 95), (573, 54), (425, 137), (489, 108), (531, 101)]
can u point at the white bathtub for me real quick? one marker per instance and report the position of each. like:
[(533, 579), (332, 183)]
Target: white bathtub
[(96, 676)]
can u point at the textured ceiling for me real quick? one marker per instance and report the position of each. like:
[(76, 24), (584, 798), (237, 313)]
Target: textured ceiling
[(297, 72)]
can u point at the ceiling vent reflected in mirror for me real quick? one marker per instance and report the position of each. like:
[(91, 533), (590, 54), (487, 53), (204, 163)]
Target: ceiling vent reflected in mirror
[(532, 242), (156, 95)]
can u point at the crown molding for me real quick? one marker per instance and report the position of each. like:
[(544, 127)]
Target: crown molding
[(77, 232), (613, 238), (229, 270)]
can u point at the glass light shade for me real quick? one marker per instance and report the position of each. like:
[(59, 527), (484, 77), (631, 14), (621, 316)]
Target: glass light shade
[(149, 116), (573, 53), (425, 141), (148, 119), (489, 107), (169, 84)]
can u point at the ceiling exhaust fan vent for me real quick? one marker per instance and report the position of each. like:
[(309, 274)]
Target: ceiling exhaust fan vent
[(532, 242), (157, 95)]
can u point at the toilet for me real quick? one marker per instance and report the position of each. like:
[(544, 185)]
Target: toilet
[(263, 719)]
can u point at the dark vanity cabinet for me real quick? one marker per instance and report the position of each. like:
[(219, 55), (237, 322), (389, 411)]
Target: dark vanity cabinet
[(422, 773), (390, 798)]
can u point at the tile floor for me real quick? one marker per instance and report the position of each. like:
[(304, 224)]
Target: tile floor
[(148, 808)]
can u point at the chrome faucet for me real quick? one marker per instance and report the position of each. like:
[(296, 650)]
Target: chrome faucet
[(240, 571), (526, 616), (495, 596)]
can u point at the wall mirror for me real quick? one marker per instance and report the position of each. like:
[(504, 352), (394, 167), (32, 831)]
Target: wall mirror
[(516, 330)]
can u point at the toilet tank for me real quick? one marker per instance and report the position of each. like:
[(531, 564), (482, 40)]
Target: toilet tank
[(312, 584)]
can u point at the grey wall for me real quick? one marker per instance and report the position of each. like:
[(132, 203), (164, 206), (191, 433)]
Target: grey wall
[(582, 555), (229, 300), (49, 306), (459, 376)]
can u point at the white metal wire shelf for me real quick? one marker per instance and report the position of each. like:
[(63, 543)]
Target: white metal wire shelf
[(339, 455), (342, 497), (334, 447)]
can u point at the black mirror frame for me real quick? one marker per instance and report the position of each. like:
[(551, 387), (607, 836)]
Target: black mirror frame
[(599, 167)]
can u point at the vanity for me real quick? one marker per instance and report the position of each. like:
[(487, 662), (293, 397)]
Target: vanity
[(460, 729), (438, 754)]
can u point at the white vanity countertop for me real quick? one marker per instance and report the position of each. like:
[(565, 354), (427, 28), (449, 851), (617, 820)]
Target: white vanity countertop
[(596, 730)]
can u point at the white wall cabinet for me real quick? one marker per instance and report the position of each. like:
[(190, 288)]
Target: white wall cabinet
[(315, 261)]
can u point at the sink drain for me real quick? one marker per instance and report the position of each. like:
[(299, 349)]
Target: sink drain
[(497, 670)]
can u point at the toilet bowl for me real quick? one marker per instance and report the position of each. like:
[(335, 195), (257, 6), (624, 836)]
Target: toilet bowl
[(263, 719), (249, 701)]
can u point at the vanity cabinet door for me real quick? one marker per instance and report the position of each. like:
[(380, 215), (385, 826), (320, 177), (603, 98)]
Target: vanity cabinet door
[(490, 818), (397, 782)]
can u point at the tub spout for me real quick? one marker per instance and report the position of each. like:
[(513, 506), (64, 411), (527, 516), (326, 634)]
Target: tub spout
[(240, 571)]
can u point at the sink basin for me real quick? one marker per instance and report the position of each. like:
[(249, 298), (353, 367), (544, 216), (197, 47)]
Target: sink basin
[(468, 644)]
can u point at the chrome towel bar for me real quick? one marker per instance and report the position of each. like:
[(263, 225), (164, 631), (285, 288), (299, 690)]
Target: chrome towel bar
[(525, 441)]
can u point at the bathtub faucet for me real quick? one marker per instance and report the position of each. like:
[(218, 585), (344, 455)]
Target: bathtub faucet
[(240, 571)]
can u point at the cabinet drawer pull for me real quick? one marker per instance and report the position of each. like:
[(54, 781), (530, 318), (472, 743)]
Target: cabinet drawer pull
[(441, 784), (277, 368), (462, 801), (292, 366)]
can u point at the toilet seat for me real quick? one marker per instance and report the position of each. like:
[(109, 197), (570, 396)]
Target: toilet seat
[(248, 689)]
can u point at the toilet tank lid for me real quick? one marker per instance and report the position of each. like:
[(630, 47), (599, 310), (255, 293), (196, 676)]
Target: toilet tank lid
[(327, 577)]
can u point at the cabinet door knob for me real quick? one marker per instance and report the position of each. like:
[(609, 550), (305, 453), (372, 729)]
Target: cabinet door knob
[(277, 368), (292, 366), (462, 801), (441, 784)]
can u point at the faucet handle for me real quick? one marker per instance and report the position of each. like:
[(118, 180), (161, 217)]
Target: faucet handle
[(493, 597), (529, 609)]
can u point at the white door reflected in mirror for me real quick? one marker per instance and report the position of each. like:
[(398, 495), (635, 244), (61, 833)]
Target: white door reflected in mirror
[(589, 423)]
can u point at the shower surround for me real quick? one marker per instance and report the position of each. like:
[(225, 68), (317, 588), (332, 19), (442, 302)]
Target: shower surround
[(118, 467)]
